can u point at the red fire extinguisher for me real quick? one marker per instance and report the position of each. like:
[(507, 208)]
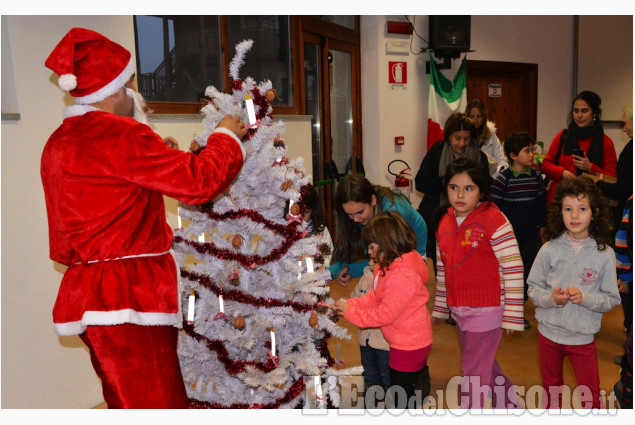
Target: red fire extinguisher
[(402, 183)]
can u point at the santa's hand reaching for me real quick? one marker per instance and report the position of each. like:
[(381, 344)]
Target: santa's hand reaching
[(233, 124)]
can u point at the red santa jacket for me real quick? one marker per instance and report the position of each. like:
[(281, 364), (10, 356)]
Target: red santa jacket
[(104, 178)]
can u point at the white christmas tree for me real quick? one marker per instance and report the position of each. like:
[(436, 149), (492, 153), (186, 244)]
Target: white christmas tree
[(254, 293)]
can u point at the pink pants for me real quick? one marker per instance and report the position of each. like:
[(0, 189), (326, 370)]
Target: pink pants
[(482, 375), (138, 366), (584, 361)]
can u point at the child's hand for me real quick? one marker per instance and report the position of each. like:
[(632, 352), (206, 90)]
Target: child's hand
[(575, 295), (622, 286), (171, 142), (340, 307), (560, 296), (436, 321), (344, 278), (194, 146)]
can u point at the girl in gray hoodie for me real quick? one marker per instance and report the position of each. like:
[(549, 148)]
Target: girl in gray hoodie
[(572, 283)]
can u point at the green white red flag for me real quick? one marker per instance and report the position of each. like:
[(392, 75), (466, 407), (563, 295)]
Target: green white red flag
[(446, 97)]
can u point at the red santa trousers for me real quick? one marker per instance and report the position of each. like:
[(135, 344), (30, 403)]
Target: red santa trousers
[(584, 361), (138, 366)]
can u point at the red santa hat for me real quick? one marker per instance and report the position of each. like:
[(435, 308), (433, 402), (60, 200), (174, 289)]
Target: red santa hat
[(90, 66)]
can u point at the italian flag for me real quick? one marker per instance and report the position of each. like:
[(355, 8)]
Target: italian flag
[(446, 97)]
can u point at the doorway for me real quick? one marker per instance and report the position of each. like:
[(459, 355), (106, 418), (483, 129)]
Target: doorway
[(330, 93), (509, 91)]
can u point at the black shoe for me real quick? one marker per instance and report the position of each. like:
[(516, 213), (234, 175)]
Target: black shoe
[(618, 360), (450, 321), (527, 324)]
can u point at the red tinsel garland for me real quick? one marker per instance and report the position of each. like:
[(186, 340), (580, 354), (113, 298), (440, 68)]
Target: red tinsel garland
[(231, 366), (243, 298), (288, 232), (294, 391)]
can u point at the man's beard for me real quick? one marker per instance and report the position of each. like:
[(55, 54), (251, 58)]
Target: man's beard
[(139, 109)]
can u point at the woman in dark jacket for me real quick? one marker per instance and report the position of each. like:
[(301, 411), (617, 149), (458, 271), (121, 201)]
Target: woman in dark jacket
[(459, 142)]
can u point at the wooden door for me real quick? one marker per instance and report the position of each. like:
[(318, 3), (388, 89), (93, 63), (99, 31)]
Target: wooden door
[(510, 93)]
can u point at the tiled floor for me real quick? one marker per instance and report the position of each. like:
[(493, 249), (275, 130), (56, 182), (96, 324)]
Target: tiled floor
[(517, 354)]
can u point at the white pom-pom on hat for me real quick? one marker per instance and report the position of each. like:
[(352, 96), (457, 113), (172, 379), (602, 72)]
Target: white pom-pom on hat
[(67, 82)]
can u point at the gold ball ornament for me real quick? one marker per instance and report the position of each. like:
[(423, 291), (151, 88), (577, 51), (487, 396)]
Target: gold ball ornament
[(271, 94), (239, 323), (237, 241)]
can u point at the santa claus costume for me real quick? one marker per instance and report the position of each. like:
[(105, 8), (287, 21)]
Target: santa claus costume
[(104, 177)]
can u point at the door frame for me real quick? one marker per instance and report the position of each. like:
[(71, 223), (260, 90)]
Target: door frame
[(331, 36)]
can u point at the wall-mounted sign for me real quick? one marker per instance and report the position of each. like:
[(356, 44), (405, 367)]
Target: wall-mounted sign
[(398, 74), (494, 90)]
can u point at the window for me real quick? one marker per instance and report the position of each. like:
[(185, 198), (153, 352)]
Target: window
[(178, 57)]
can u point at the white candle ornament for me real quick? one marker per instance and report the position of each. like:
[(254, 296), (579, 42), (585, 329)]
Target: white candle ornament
[(220, 304), (317, 387), (190, 308), (300, 265), (273, 341), (251, 112), (309, 264)]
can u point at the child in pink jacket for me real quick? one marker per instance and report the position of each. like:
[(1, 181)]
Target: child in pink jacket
[(397, 303)]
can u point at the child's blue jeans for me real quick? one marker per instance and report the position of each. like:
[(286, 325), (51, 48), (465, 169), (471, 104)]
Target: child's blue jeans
[(375, 363)]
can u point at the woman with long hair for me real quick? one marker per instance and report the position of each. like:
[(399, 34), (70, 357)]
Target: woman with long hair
[(582, 147), (486, 138)]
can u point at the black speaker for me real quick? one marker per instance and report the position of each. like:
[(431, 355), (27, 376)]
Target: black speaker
[(449, 33)]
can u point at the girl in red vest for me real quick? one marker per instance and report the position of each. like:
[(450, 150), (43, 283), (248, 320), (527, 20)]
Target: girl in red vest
[(480, 281), (397, 301)]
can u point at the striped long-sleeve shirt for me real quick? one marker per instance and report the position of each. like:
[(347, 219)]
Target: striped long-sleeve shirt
[(521, 197), (479, 278), (623, 247)]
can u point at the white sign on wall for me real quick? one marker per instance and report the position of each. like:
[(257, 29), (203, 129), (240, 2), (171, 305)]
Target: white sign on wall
[(494, 90)]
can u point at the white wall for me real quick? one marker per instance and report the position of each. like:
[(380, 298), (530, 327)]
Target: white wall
[(545, 40), (41, 370)]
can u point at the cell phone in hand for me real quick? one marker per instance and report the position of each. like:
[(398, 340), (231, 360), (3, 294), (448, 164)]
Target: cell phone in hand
[(578, 152)]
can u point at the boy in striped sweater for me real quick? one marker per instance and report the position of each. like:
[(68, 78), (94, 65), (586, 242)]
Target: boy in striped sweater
[(519, 192)]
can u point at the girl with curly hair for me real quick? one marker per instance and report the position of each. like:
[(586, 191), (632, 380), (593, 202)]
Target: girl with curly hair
[(572, 283)]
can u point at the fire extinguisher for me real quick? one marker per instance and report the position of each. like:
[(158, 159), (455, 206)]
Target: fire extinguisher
[(402, 183)]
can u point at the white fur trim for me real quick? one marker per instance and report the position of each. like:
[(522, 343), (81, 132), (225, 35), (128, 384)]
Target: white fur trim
[(111, 88), (118, 317), (231, 133), (76, 110), (125, 257), (67, 82)]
